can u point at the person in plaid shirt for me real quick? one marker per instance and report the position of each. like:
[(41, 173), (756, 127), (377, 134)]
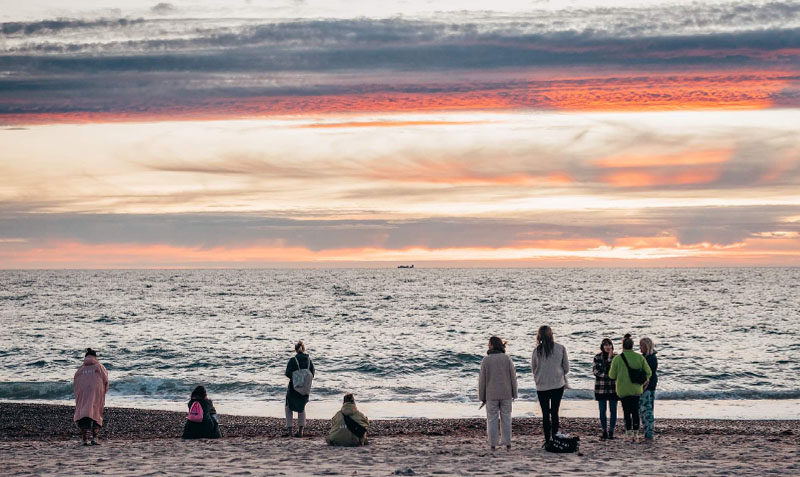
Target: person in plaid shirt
[(604, 387)]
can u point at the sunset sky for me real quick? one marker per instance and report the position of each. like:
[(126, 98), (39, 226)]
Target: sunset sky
[(363, 133)]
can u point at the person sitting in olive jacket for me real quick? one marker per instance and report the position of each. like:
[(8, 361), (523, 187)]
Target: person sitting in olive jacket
[(349, 426)]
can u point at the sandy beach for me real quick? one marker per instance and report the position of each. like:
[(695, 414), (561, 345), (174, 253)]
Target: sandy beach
[(40, 439)]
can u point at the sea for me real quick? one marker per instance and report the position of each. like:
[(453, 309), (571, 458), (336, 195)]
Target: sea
[(406, 342)]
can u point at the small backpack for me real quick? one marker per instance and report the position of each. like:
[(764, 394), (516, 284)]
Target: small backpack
[(196, 412), (562, 444), (638, 376), (301, 378)]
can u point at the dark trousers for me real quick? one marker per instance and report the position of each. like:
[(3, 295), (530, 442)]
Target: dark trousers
[(612, 405), (630, 408), (550, 401)]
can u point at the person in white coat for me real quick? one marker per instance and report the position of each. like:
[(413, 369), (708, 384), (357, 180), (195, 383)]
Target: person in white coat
[(497, 387)]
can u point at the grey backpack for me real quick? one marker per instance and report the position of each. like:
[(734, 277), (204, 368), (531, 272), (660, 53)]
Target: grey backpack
[(301, 378)]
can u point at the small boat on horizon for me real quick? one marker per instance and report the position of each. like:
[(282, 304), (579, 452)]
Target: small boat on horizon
[(406, 266)]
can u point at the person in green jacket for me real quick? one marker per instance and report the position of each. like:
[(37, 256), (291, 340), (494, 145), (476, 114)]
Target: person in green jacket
[(349, 426), (627, 390)]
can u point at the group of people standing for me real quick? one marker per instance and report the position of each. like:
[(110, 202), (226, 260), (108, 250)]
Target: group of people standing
[(628, 377)]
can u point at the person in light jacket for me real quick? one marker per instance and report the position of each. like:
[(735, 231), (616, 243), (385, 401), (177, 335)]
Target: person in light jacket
[(349, 427), (91, 385), (549, 365), (497, 387), (627, 390), (296, 402)]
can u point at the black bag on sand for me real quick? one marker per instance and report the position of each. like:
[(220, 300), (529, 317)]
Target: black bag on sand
[(357, 429), (638, 376), (561, 444)]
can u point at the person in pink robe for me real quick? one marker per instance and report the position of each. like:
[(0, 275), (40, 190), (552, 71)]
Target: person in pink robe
[(91, 385)]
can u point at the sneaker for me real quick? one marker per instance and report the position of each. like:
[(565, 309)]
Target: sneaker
[(94, 442), (86, 443)]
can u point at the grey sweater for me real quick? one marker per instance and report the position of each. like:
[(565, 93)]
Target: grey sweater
[(498, 378), (550, 372)]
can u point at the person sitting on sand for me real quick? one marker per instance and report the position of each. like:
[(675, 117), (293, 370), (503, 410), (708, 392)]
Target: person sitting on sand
[(549, 365), (627, 390), (90, 384), (349, 426), (202, 421), (296, 402), (497, 387), (647, 400), (605, 389)]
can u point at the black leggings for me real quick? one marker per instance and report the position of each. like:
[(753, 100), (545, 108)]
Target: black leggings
[(630, 408), (550, 401)]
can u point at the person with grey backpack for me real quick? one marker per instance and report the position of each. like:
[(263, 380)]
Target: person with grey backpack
[(300, 371)]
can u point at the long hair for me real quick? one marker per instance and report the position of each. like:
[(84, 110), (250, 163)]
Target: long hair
[(603, 347), (649, 347), (627, 342), (497, 344), (544, 341), (199, 393)]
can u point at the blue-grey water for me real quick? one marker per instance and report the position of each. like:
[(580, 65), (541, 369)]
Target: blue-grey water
[(392, 334)]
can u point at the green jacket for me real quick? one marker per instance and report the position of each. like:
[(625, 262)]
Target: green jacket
[(619, 372), (340, 435)]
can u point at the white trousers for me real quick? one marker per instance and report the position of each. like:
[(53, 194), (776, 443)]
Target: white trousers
[(498, 410), (301, 418)]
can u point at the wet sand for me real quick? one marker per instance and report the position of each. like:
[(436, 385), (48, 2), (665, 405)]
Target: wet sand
[(41, 439)]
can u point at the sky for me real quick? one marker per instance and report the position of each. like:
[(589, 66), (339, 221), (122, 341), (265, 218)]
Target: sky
[(296, 133)]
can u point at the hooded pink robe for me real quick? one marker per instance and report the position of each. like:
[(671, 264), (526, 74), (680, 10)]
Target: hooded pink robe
[(91, 386)]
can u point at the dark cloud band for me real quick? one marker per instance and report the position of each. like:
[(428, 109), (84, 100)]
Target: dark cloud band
[(716, 225)]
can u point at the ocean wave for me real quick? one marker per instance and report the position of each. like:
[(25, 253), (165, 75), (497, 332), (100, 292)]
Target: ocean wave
[(179, 389), (145, 387), (36, 390)]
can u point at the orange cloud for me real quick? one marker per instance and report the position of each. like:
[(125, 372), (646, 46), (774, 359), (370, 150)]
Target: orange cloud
[(779, 250), (648, 170), (660, 91), (644, 178)]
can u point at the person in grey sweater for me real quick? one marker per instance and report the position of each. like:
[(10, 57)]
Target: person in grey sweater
[(549, 365), (497, 387)]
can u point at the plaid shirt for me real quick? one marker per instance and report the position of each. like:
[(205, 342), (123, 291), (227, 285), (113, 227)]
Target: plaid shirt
[(604, 387)]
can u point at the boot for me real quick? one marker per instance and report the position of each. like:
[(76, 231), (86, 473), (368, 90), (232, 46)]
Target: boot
[(605, 435), (636, 435), (299, 432), (628, 436), (611, 434)]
